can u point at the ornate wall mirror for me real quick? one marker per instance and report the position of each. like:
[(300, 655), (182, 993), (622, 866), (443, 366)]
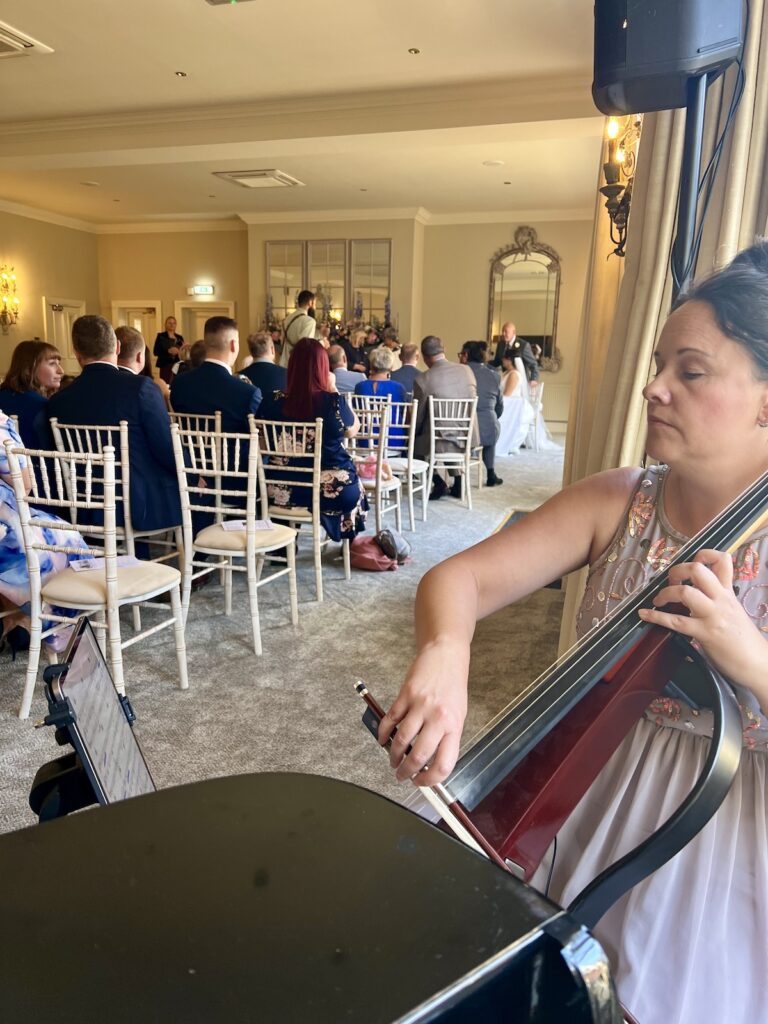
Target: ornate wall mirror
[(525, 289)]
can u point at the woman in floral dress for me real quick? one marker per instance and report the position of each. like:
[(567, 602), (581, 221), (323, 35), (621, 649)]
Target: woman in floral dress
[(14, 577), (689, 945), (311, 394)]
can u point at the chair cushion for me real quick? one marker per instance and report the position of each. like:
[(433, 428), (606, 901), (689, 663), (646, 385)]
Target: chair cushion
[(214, 537), (83, 589), (294, 513), (386, 485), (401, 465)]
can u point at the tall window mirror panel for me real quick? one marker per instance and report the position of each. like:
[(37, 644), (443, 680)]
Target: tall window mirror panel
[(370, 278), (327, 275), (285, 276)]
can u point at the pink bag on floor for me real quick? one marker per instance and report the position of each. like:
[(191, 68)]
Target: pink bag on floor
[(365, 553)]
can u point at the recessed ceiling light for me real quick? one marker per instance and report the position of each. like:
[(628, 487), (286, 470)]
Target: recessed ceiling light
[(493, 163), (180, 74), (363, 189), (211, 196), (413, 50), (115, 200), (90, 184), (507, 182)]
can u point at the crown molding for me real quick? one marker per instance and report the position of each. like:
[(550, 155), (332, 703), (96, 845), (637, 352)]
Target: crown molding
[(490, 101), (46, 216), (417, 213), (155, 227), (511, 216)]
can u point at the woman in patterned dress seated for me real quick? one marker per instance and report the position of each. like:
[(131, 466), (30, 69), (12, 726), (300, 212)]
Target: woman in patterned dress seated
[(688, 945), (311, 394), (14, 576)]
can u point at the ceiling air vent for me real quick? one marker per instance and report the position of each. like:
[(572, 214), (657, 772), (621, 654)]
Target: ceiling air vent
[(227, 3), (260, 179), (14, 44)]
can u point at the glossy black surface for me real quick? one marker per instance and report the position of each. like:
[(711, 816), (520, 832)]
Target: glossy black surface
[(272, 897)]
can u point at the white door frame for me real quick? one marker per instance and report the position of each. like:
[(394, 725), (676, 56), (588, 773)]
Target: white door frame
[(180, 305), (156, 304), (67, 354)]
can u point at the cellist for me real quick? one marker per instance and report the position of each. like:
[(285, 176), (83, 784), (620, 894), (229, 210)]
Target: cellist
[(690, 944)]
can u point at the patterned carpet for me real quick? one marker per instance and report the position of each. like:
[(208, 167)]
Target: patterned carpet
[(295, 708)]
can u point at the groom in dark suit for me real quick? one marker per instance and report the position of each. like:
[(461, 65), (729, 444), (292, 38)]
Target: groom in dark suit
[(263, 372), (103, 395), (212, 387)]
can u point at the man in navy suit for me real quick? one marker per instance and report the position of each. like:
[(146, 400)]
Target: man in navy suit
[(263, 373), (409, 371), (103, 395), (212, 387)]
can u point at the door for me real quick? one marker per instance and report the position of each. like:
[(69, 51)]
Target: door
[(144, 315), (59, 315), (191, 316)]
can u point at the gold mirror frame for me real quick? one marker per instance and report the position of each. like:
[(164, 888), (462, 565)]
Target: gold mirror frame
[(526, 242)]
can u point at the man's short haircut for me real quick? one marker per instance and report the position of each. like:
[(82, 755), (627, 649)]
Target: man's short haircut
[(380, 359), (432, 346), (305, 296), (260, 344), (336, 356), (93, 337), (131, 343), (214, 330), (409, 353), (197, 354)]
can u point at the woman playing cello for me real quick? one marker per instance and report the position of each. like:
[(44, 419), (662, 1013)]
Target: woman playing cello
[(690, 944)]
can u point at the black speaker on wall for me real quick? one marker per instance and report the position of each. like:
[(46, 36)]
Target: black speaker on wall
[(647, 50)]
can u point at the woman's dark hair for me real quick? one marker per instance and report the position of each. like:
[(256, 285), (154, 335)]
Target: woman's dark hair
[(738, 297), (22, 373), (308, 370), (475, 351)]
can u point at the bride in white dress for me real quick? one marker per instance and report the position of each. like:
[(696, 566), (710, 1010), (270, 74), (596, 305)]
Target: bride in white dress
[(517, 417)]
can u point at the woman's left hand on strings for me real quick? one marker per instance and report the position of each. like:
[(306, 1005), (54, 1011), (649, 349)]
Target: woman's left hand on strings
[(716, 620)]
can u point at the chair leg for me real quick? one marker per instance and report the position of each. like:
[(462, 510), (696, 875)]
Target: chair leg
[(398, 513), (411, 513), (136, 618), (290, 555), (377, 509), (178, 634), (33, 661), (228, 573), (115, 649), (101, 637), (347, 563), (467, 489), (260, 559), (186, 591), (253, 602), (318, 563)]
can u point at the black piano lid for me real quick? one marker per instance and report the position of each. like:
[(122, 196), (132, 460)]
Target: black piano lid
[(270, 897)]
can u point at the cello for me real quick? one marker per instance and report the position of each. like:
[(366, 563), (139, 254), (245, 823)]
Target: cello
[(521, 777)]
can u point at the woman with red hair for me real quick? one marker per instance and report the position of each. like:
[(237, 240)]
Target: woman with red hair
[(311, 394)]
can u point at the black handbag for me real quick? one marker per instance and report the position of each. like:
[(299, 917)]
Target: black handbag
[(394, 545)]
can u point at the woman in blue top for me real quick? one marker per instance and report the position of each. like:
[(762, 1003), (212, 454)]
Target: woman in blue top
[(379, 385), (311, 394), (34, 375)]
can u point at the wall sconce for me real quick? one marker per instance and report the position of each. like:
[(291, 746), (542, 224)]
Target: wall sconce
[(10, 307), (619, 172)]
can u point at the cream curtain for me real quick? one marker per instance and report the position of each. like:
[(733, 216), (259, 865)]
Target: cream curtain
[(607, 426)]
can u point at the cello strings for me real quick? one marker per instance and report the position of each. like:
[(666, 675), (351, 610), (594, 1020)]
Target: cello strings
[(548, 680)]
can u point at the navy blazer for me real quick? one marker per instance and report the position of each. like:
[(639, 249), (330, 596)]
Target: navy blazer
[(268, 378), (104, 395), (209, 389), (31, 410), (406, 375)]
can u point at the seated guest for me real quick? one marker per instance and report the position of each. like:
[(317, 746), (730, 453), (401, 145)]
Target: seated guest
[(324, 334), (379, 385), (490, 404), (312, 394), (391, 341), (132, 357), (34, 375), (14, 575), (263, 371), (346, 380), (195, 357), (103, 395), (357, 359), (409, 371), (211, 387)]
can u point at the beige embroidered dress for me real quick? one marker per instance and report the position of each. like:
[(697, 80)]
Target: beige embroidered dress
[(690, 944)]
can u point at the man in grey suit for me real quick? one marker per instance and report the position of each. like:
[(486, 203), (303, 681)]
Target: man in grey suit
[(346, 380), (442, 379), (490, 403)]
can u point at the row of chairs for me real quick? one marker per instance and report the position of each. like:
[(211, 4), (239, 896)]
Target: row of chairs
[(87, 479)]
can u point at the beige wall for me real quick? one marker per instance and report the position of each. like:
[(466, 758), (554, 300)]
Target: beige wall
[(457, 260), (51, 261), (163, 265), (401, 232)]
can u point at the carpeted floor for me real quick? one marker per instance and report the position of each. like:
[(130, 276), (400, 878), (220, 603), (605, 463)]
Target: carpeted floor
[(295, 708)]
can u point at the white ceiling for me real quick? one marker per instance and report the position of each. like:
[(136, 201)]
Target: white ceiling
[(327, 93)]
